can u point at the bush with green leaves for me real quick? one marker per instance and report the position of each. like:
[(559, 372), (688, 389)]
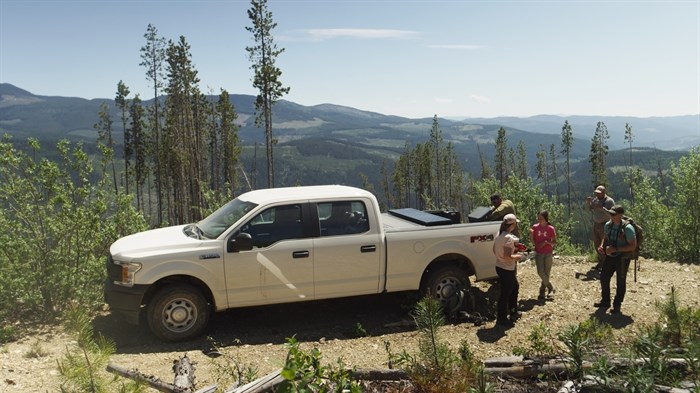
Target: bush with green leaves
[(436, 367), (82, 369), (59, 225), (304, 372)]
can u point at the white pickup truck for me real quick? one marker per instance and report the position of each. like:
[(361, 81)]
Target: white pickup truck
[(288, 245)]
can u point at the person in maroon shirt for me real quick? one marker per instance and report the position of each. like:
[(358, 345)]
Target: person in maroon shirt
[(544, 237)]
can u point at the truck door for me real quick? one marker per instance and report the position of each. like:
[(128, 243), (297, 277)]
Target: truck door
[(347, 255), (282, 257)]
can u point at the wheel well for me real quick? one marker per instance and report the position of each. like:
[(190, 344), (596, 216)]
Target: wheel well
[(178, 280), (455, 260)]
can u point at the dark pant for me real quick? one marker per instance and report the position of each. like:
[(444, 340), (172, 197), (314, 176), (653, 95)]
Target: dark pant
[(508, 298), (618, 266)]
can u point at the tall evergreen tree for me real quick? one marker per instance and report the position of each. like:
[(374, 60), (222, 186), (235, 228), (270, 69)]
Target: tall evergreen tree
[(485, 172), (542, 168), (553, 173), (153, 60), (521, 164), (598, 154), (436, 142), (105, 140), (266, 74), (183, 135), (567, 141), (228, 134), (500, 157), (122, 103), (629, 138), (140, 148)]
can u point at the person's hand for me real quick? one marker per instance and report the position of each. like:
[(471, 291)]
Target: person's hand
[(600, 250)]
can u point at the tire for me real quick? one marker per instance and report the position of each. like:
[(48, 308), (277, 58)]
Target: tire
[(449, 285), (177, 313)]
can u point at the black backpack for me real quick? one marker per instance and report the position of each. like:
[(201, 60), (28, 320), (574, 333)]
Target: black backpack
[(638, 233)]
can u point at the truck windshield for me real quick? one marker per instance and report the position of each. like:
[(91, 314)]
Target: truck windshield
[(216, 223)]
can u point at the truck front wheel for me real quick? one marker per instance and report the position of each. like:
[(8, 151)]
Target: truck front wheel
[(450, 286), (177, 313)]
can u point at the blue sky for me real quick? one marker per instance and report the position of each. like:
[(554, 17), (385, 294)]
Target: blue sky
[(396, 57)]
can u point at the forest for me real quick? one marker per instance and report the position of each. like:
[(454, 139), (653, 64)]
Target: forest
[(181, 157)]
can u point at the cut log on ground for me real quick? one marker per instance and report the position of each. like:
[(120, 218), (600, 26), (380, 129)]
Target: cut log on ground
[(183, 369), (136, 375)]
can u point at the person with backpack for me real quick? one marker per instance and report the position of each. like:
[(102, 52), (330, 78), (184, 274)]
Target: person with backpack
[(544, 237), (618, 246)]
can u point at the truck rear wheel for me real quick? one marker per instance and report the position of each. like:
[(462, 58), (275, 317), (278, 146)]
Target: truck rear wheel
[(451, 287), (177, 313)]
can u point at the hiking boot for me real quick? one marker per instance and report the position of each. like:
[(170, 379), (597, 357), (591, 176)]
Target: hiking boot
[(550, 290), (601, 304), (515, 315), (615, 310), (505, 323)]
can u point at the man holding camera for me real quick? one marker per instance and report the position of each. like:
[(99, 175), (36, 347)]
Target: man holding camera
[(599, 206)]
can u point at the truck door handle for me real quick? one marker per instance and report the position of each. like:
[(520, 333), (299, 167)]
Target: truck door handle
[(300, 254), (371, 248)]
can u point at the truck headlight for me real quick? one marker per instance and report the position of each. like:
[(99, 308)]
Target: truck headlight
[(128, 273)]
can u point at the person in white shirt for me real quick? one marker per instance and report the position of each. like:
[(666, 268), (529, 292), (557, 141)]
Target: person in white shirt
[(504, 247)]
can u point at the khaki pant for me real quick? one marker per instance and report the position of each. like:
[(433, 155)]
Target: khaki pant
[(598, 235)]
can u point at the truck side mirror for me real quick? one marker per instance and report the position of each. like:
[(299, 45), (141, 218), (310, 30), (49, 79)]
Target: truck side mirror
[(242, 242)]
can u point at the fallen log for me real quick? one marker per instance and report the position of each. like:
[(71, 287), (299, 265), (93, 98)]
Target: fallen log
[(264, 384), (183, 369), (150, 380)]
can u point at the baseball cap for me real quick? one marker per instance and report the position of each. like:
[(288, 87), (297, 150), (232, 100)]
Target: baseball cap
[(600, 189), (510, 218), (617, 209)]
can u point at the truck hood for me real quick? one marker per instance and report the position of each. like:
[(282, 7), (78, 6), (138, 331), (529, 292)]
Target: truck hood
[(154, 242)]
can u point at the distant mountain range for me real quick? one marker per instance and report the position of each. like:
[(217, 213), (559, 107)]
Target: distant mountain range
[(25, 114), (328, 143)]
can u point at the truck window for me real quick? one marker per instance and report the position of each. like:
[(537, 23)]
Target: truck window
[(275, 224), (342, 218), (216, 223)]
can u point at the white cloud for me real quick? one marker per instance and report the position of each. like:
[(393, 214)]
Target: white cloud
[(324, 34), (480, 99)]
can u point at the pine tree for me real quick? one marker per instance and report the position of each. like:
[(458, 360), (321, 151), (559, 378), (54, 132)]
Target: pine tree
[(153, 59), (183, 135), (629, 138), (500, 157), (122, 103), (105, 141), (597, 156), (266, 74), (139, 146), (567, 141), (228, 134), (542, 168)]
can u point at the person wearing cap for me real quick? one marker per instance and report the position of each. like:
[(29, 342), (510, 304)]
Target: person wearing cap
[(619, 238), (599, 206), (500, 208), (504, 247)]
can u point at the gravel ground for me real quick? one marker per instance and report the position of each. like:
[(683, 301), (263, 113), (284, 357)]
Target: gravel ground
[(356, 330)]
